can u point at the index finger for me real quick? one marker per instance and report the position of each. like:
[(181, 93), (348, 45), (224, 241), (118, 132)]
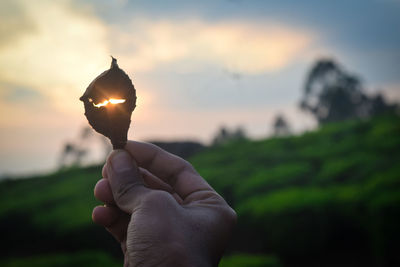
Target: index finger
[(172, 169)]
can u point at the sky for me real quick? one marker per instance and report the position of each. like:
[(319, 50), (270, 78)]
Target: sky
[(196, 65)]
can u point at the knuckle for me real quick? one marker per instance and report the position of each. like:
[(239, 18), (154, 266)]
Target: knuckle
[(126, 189), (188, 165)]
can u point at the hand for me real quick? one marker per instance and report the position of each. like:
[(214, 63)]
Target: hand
[(161, 210)]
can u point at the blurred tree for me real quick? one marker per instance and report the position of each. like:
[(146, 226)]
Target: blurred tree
[(183, 149), (88, 135), (332, 94), (74, 153), (225, 135), (71, 155), (281, 126), (239, 133)]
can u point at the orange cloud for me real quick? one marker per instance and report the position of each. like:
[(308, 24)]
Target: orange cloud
[(59, 55), (244, 47)]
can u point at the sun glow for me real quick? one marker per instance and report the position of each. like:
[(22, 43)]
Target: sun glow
[(111, 101), (116, 101)]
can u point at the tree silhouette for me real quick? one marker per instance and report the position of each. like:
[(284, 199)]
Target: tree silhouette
[(281, 126), (332, 94), (225, 135), (71, 155), (74, 153)]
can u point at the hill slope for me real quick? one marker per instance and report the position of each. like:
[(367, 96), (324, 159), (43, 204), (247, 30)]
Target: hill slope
[(329, 196)]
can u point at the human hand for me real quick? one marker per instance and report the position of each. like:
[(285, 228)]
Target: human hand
[(161, 210)]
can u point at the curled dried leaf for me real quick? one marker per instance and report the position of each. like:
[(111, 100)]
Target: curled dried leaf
[(109, 101)]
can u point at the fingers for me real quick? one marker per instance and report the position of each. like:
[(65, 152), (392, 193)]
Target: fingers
[(102, 191), (159, 162), (173, 170), (126, 183), (154, 182), (105, 215), (104, 171), (119, 228), (113, 219)]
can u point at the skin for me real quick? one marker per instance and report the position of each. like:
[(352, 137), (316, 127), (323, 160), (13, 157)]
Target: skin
[(161, 210)]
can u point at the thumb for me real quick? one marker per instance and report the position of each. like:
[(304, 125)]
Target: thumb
[(125, 180)]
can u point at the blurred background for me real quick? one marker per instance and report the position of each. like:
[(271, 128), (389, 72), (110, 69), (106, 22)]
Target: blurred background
[(288, 109)]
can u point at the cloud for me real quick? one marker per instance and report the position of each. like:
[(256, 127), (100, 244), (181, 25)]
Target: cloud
[(15, 23), (50, 51), (58, 55), (239, 46), (64, 47), (12, 93)]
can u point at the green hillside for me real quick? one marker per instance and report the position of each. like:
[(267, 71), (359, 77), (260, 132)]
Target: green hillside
[(330, 196), (327, 197)]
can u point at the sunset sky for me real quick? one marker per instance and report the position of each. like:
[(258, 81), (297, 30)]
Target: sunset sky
[(196, 65)]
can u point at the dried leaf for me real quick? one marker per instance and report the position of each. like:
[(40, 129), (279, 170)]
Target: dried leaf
[(109, 101)]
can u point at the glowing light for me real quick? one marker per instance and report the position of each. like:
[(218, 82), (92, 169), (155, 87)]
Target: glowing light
[(111, 101), (116, 101)]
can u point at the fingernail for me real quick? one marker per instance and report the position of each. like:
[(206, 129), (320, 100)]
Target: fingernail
[(121, 161)]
